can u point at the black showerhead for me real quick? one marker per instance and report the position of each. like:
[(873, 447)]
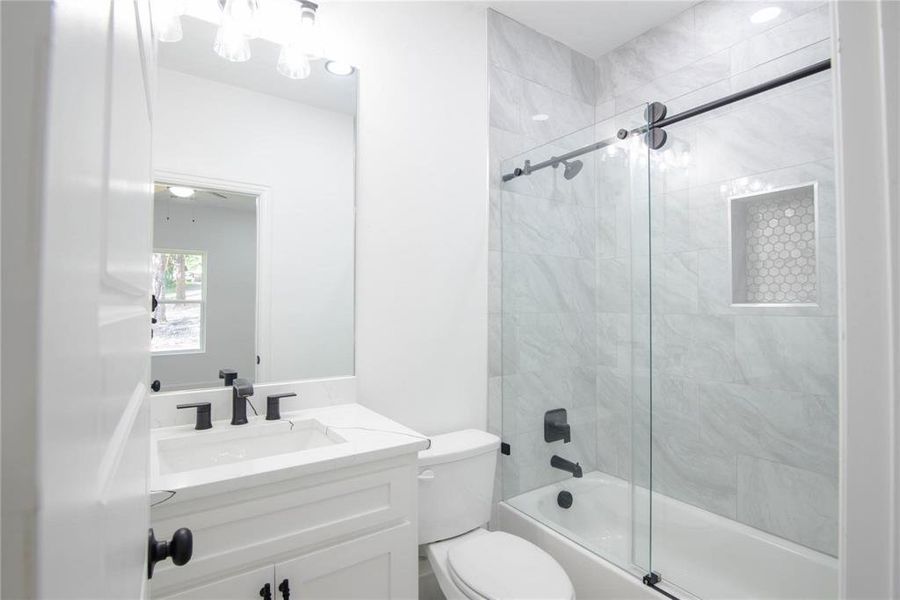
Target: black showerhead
[(572, 168)]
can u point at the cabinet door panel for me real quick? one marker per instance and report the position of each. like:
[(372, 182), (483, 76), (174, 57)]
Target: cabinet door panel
[(378, 566), (245, 586)]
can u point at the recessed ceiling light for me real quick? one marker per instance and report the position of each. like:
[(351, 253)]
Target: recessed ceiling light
[(338, 68), (181, 191), (765, 14), (540, 117)]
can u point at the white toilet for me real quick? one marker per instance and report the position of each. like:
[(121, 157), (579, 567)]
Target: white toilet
[(456, 483)]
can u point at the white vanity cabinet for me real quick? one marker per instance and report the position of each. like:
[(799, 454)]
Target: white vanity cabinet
[(345, 532)]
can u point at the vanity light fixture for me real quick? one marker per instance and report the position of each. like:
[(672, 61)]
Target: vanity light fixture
[(765, 14), (339, 68), (240, 23), (181, 191), (303, 44)]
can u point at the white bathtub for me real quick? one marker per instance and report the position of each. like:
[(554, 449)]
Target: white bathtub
[(696, 552)]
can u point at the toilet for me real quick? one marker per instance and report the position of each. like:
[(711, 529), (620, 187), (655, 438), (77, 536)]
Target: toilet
[(456, 484)]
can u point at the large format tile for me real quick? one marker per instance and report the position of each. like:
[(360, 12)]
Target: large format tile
[(795, 428), (788, 353), (806, 29), (537, 226), (506, 93), (721, 24), (533, 342), (792, 503)]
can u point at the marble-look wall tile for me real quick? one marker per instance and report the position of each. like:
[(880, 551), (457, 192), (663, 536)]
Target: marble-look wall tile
[(674, 283), (685, 466), (495, 405), (495, 350), (647, 57), (720, 23), (533, 342), (583, 84), (685, 80), (793, 428), (790, 502), (788, 353), (506, 91), (613, 435), (495, 282), (537, 226), (806, 29)]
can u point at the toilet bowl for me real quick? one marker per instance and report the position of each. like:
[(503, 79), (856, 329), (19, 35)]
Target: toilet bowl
[(456, 481)]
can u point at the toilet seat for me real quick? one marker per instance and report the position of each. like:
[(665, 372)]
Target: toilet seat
[(500, 566)]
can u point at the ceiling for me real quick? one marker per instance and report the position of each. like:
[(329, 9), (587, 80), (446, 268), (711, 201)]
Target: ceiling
[(194, 55), (592, 27), (204, 198)]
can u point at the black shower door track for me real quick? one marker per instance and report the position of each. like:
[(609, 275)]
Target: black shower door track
[(661, 121)]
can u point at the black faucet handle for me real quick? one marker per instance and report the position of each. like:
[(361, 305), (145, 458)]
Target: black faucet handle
[(229, 375), (204, 414), (273, 405)]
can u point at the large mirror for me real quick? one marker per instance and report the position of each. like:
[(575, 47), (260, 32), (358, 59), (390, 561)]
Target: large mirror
[(253, 241)]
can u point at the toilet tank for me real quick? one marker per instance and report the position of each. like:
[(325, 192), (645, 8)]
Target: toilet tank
[(456, 483)]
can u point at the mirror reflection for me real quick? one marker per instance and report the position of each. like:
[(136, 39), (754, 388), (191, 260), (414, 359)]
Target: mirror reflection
[(253, 242)]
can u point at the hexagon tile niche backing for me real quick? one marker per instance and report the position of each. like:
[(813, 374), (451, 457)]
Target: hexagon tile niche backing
[(780, 247)]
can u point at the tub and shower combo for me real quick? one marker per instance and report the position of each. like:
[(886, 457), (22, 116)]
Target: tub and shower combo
[(666, 332)]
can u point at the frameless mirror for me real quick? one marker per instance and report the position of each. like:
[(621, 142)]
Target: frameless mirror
[(253, 257)]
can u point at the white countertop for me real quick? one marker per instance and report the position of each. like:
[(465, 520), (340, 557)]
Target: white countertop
[(368, 437)]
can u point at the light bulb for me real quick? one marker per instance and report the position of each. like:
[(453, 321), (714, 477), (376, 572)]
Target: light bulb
[(181, 191), (231, 43), (293, 62)]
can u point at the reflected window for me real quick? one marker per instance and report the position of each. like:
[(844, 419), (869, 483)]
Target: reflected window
[(180, 290)]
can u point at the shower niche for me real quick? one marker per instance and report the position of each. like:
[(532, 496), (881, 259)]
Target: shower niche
[(773, 247)]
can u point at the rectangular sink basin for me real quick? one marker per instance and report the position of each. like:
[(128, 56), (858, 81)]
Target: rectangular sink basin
[(205, 449)]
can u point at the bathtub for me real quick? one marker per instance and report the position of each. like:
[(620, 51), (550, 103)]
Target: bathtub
[(696, 552)]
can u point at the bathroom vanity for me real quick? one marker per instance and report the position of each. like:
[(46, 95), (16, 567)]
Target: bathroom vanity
[(323, 499)]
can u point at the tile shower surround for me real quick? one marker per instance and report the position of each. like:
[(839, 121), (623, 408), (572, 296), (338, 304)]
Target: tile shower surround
[(744, 399)]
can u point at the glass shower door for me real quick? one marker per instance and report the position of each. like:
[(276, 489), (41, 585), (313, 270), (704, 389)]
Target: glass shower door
[(744, 369), (574, 336)]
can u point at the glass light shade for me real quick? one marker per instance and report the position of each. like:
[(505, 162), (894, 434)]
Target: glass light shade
[(310, 39), (231, 43), (170, 30), (167, 20), (293, 62), (244, 15)]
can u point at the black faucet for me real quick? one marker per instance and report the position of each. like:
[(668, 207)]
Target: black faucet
[(558, 462), (241, 389)]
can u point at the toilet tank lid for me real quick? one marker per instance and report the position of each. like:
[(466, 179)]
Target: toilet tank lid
[(449, 447)]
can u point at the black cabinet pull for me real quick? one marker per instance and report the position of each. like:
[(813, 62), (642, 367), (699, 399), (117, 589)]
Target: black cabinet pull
[(266, 592), (180, 549), (285, 590)]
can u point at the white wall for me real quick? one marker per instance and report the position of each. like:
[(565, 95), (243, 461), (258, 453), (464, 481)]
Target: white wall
[(228, 237), (422, 207), (305, 156)]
